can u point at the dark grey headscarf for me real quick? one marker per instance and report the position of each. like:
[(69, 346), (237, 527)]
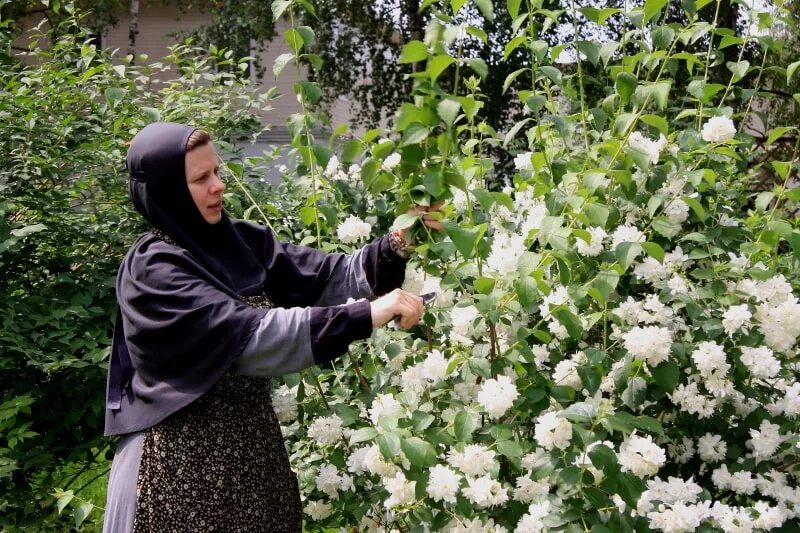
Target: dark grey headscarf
[(181, 322)]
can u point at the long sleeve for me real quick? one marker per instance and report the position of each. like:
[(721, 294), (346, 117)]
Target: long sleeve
[(289, 340), (370, 271), (298, 276)]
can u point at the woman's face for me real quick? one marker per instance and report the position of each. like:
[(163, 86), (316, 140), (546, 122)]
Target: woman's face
[(205, 185)]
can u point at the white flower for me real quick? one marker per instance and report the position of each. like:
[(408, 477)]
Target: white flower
[(329, 481), (710, 360), (711, 448), (780, 323), (595, 244), (626, 234), (677, 211), (651, 344), (532, 521), (718, 129), (485, 492), (679, 517), (435, 366), (326, 430), (352, 230), (376, 464), (761, 362), (565, 374), (497, 396), (474, 460), (413, 379), (523, 162), (461, 318), (385, 405), (390, 162), (443, 484), (506, 252), (530, 491), (641, 456), (401, 491), (765, 440), (284, 403), (356, 463), (650, 147), (736, 317), (317, 510), (552, 431)]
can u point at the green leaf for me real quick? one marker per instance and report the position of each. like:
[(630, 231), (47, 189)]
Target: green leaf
[(654, 250), (294, 40), (667, 376), (590, 378), (652, 8), (310, 90), (625, 85), (696, 206), (781, 167), (464, 239), (421, 453), (81, 513), (152, 114), (603, 457), (365, 434), (389, 444), (790, 70), (414, 134), (414, 51), (114, 95), (598, 16), (777, 133), (634, 394), (478, 65), (763, 200), (404, 221), (448, 110), (552, 73), (513, 8), (658, 122), (486, 8), (438, 64), (630, 488), (64, 500), (590, 49), (27, 230), (512, 45), (509, 448), (739, 69), (279, 8), (598, 214), (464, 425), (571, 322), (627, 252), (280, 62), (795, 242)]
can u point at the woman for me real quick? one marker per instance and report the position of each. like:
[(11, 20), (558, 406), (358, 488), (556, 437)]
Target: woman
[(209, 308)]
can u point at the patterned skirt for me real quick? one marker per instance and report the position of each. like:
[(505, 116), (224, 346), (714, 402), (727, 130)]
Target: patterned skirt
[(218, 465)]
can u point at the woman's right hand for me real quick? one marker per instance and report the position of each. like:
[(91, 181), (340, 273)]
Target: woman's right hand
[(405, 306)]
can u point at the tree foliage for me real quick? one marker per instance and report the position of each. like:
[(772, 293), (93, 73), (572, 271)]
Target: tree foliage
[(66, 115)]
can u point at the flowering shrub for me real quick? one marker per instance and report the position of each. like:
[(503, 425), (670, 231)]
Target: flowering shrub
[(613, 342)]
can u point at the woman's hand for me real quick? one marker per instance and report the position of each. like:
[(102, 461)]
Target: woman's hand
[(404, 306), (427, 219)]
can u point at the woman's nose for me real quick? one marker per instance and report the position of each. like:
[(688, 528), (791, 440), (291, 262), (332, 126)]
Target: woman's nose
[(217, 185)]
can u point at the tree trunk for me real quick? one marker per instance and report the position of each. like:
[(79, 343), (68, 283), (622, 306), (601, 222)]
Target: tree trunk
[(415, 25), (133, 28)]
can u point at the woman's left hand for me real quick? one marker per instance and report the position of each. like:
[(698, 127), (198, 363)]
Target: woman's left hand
[(427, 218)]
